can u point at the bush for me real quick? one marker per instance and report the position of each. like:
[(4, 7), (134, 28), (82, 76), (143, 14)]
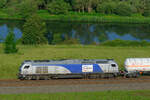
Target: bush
[(70, 41), (106, 8), (119, 42), (123, 9), (58, 7), (34, 31), (57, 39), (10, 43)]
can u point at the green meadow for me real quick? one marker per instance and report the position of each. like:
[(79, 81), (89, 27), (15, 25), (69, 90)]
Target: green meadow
[(82, 17), (105, 95), (9, 63)]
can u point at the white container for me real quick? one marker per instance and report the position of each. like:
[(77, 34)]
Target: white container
[(137, 64)]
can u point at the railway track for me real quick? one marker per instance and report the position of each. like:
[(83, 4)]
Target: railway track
[(29, 83)]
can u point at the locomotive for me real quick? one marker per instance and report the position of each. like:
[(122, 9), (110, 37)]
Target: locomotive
[(84, 68)]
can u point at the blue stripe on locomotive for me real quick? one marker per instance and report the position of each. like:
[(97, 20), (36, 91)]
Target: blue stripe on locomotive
[(75, 68)]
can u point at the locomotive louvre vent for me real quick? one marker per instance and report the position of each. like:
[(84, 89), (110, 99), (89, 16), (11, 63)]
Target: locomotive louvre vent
[(42, 70), (87, 62), (41, 60)]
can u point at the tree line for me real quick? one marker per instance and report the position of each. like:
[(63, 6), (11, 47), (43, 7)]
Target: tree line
[(119, 7)]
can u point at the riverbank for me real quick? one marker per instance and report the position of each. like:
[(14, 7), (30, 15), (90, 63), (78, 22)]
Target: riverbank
[(83, 17), (9, 63)]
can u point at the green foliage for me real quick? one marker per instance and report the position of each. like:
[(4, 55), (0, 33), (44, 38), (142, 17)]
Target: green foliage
[(27, 8), (34, 31), (24, 8), (10, 43), (119, 42), (70, 41), (79, 10), (3, 3), (57, 39), (58, 7), (123, 9), (106, 8), (146, 13)]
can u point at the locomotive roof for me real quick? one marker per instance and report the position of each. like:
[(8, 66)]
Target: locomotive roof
[(70, 61)]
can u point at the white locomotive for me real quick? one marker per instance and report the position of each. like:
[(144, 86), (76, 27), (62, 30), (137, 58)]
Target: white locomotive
[(83, 68)]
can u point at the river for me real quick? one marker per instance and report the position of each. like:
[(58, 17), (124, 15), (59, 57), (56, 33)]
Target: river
[(85, 33)]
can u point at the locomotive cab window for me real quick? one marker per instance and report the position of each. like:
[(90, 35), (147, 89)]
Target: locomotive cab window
[(113, 65), (26, 67)]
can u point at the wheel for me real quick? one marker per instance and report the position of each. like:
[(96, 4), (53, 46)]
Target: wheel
[(28, 77)]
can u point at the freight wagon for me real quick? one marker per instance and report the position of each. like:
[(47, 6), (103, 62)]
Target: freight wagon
[(141, 65), (49, 69)]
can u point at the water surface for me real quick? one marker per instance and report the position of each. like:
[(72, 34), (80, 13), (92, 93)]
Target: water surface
[(85, 33)]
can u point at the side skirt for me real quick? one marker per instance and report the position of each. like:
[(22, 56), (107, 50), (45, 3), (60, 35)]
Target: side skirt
[(67, 76)]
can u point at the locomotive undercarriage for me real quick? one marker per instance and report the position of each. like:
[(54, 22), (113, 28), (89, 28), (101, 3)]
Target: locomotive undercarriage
[(65, 76)]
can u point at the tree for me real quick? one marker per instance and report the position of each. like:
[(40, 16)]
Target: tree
[(27, 7), (24, 8), (123, 9), (10, 43), (89, 5), (34, 31), (84, 5), (146, 11), (58, 7), (79, 5), (106, 8), (3, 3)]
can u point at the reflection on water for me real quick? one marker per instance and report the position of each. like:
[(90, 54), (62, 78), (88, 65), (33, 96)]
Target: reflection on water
[(86, 33), (4, 30)]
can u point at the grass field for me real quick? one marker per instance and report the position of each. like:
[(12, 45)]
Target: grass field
[(9, 63), (105, 95), (83, 17), (95, 17)]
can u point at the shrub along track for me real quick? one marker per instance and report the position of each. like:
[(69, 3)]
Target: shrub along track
[(73, 85)]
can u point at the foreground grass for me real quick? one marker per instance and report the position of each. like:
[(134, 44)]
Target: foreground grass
[(83, 17), (105, 95), (9, 63)]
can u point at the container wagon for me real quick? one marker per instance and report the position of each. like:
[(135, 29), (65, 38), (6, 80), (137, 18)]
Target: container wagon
[(49, 69)]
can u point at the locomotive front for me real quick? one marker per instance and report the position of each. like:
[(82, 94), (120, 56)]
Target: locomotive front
[(24, 69)]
